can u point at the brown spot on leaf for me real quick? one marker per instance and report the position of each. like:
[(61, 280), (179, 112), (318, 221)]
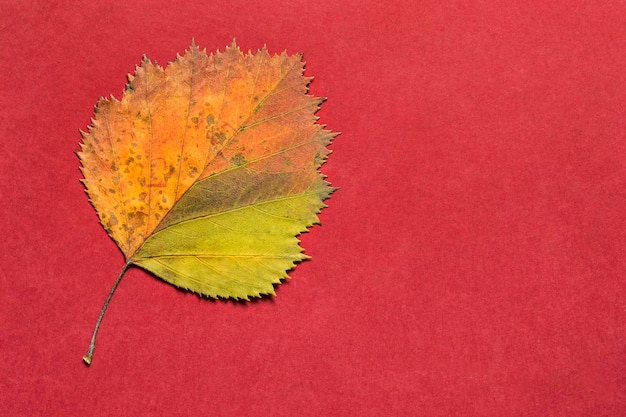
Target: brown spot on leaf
[(158, 166), (238, 160), (112, 219), (221, 137), (169, 173)]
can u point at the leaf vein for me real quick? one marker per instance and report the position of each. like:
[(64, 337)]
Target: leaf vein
[(208, 216), (125, 211), (182, 144), (189, 277), (261, 158), (261, 103), (271, 214)]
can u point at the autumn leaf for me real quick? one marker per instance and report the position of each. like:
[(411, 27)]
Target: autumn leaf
[(205, 171)]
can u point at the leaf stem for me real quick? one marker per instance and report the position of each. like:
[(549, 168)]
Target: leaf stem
[(89, 354)]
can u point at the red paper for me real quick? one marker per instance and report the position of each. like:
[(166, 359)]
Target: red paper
[(471, 264)]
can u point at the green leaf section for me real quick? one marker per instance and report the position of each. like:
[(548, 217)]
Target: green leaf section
[(237, 253)]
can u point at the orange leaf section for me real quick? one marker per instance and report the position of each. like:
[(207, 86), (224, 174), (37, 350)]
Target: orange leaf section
[(201, 115)]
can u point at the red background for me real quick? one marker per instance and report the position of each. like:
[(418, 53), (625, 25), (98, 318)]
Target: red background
[(473, 262)]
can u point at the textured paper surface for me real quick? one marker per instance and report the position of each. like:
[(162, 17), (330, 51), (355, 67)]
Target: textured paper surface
[(472, 262)]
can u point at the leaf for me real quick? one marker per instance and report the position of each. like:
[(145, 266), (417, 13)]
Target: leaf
[(206, 171)]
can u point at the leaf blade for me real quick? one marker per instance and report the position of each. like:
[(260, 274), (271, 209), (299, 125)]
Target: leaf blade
[(208, 167)]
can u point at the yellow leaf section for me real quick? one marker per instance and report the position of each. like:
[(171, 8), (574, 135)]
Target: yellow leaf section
[(201, 115), (238, 253)]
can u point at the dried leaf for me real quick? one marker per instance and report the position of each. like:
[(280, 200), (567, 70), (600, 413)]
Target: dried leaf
[(206, 171)]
